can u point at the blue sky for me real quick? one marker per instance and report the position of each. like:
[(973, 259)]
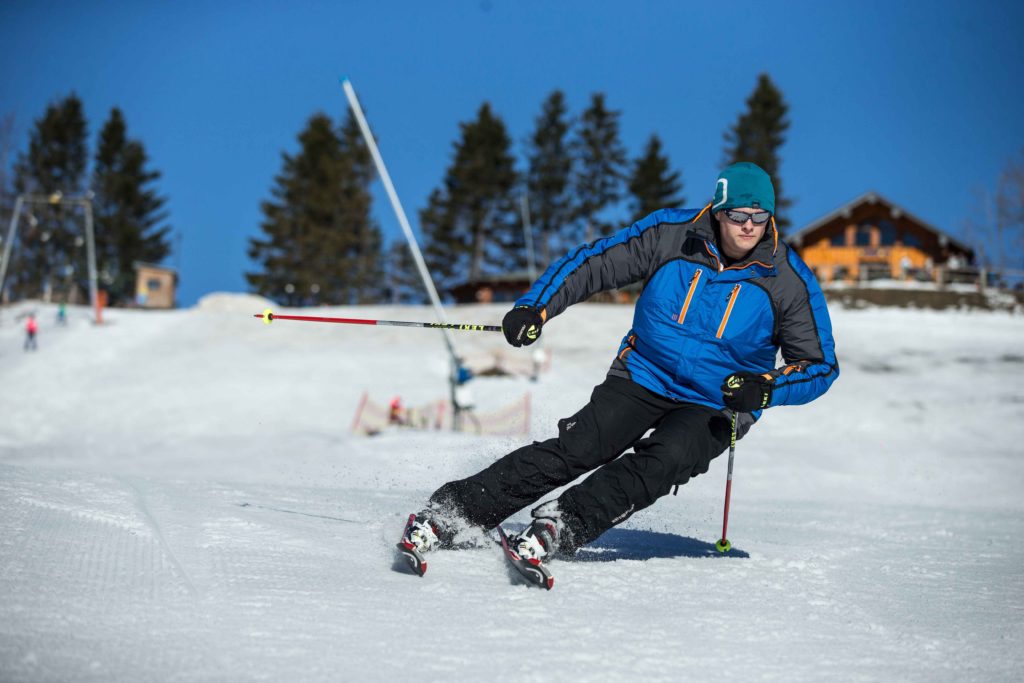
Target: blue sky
[(921, 101)]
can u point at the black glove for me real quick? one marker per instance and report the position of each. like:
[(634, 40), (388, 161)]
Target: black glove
[(746, 391), (522, 325)]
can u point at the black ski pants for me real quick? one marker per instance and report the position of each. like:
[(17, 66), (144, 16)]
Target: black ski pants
[(686, 438)]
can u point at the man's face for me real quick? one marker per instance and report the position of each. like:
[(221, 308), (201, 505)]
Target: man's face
[(739, 238)]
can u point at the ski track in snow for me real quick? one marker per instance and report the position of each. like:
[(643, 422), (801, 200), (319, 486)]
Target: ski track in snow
[(180, 500)]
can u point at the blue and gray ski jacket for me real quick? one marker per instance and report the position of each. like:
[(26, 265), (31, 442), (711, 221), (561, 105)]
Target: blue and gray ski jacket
[(698, 321)]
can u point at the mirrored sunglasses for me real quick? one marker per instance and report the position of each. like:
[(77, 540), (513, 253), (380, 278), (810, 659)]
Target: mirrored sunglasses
[(759, 218)]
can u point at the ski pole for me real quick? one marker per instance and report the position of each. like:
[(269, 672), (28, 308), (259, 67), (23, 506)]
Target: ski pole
[(269, 316), (723, 544)]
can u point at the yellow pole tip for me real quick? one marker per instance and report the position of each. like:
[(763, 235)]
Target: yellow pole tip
[(268, 316)]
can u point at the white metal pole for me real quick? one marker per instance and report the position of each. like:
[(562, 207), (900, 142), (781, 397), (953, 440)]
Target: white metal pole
[(9, 244), (90, 247), (382, 170)]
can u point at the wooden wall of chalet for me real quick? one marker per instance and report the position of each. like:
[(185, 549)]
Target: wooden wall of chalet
[(877, 239)]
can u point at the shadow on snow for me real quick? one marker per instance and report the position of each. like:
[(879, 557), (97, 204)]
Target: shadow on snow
[(638, 544)]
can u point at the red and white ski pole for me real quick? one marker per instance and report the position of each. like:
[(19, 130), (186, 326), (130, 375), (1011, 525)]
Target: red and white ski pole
[(269, 316), (723, 544)]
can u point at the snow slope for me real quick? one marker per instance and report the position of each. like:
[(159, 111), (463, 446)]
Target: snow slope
[(180, 499)]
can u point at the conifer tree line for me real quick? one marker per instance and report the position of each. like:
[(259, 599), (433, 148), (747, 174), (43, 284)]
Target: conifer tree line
[(319, 241), (320, 244), (130, 224)]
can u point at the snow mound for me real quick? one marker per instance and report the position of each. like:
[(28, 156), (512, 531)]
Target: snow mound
[(233, 302)]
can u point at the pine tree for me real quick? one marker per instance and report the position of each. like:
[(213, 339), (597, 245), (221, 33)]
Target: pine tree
[(548, 177), (320, 244), (7, 197), (51, 249), (601, 166), (364, 250), (128, 211), (402, 281), (757, 136), (471, 224), (652, 184), (6, 189)]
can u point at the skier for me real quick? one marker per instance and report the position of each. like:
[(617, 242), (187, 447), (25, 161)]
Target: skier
[(722, 295), (31, 328)]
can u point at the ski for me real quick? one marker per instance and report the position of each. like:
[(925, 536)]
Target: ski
[(408, 559), (532, 571)]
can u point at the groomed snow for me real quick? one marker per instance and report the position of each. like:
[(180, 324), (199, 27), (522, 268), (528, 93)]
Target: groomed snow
[(180, 499)]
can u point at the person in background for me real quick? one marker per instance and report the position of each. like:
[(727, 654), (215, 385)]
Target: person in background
[(31, 329), (396, 411)]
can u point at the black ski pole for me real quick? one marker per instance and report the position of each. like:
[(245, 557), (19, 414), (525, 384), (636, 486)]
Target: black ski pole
[(723, 544)]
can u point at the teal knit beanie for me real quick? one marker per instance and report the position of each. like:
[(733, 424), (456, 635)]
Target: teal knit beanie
[(744, 185)]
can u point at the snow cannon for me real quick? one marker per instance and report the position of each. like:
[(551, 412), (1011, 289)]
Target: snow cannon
[(723, 545)]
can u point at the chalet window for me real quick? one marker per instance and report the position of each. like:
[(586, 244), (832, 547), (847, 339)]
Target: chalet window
[(839, 239), (153, 284), (863, 235), (910, 239), (888, 233)]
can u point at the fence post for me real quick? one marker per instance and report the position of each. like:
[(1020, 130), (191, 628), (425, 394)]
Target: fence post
[(359, 411)]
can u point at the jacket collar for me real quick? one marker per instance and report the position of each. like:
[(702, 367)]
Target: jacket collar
[(762, 256)]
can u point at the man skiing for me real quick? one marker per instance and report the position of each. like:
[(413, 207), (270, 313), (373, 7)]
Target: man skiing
[(722, 295)]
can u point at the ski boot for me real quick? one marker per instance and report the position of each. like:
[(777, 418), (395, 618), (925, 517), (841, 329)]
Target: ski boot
[(423, 533), (526, 550)]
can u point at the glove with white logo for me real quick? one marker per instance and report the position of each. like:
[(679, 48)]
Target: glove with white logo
[(745, 392), (522, 325)]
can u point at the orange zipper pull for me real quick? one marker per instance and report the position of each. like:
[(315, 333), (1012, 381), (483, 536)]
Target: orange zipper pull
[(689, 294)]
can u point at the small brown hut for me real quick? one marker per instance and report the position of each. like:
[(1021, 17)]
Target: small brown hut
[(154, 285)]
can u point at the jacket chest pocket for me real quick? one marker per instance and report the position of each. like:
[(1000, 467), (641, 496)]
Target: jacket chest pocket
[(690, 291), (710, 319), (743, 318), (733, 295)]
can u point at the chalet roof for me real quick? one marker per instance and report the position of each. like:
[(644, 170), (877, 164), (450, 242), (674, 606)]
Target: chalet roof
[(872, 197), (142, 264)]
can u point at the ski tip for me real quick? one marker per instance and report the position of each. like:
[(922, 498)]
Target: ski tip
[(410, 561), (268, 316)]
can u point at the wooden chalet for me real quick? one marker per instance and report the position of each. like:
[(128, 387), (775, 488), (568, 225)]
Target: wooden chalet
[(873, 238), (504, 288), (508, 287)]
